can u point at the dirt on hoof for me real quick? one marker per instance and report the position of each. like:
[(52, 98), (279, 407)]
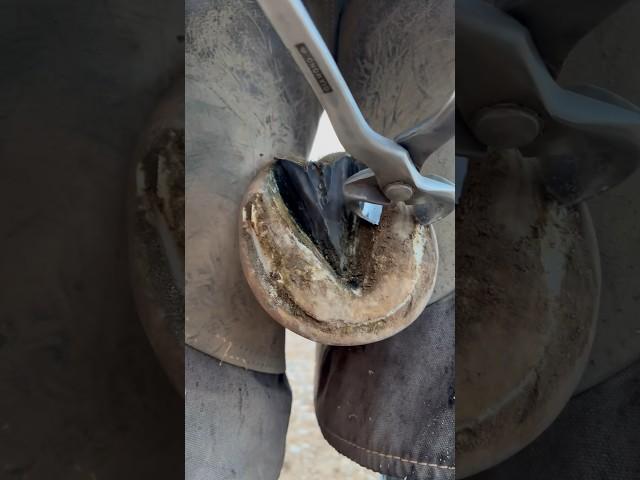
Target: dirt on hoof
[(382, 287), (164, 180), (527, 297), (156, 232)]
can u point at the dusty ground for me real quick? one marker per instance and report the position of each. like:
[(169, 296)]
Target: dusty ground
[(308, 455)]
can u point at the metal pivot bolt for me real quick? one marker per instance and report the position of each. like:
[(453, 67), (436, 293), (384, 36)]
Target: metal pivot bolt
[(388, 162), (585, 140), (506, 126), (398, 192)]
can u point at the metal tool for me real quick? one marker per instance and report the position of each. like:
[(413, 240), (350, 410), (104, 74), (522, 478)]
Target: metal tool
[(585, 139), (393, 175)]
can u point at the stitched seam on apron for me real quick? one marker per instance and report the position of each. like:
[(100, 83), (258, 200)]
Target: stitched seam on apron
[(386, 455)]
